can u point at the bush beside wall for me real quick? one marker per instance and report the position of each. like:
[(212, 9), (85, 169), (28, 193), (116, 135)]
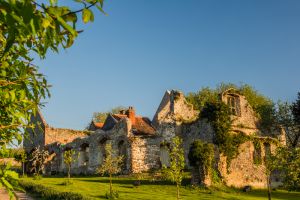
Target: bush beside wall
[(47, 193)]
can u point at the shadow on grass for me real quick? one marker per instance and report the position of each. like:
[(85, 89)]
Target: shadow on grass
[(284, 195), (128, 181), (185, 182)]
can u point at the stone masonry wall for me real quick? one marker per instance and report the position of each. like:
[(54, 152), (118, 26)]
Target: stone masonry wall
[(145, 154), (62, 136), (242, 170)]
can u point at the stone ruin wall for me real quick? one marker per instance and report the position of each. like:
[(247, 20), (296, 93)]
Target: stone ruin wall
[(140, 153), (145, 154), (61, 135), (173, 117), (90, 150), (247, 122), (242, 170)]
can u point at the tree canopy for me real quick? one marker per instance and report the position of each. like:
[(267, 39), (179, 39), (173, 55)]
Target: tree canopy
[(262, 105), (101, 116), (29, 28)]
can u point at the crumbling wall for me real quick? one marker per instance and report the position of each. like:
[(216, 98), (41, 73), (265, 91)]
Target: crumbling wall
[(61, 135), (246, 121), (243, 170), (90, 150), (200, 129), (174, 108)]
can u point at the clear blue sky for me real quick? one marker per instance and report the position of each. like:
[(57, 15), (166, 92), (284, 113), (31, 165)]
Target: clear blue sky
[(143, 48)]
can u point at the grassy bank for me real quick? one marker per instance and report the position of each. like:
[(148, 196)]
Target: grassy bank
[(96, 187)]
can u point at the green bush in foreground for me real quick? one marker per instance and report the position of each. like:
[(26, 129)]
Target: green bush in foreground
[(47, 193)]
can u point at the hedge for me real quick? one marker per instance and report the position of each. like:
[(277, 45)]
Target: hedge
[(47, 193)]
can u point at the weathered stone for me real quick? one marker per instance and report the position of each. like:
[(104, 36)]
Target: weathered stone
[(144, 144)]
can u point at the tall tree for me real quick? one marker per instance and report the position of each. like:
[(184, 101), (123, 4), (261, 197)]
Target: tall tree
[(285, 118), (288, 116), (296, 115), (28, 27)]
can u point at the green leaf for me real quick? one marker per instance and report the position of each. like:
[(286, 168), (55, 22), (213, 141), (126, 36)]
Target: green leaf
[(32, 26), (53, 2), (66, 26), (46, 23), (87, 15), (101, 9)]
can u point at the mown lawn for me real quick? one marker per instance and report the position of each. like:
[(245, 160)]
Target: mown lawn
[(96, 187)]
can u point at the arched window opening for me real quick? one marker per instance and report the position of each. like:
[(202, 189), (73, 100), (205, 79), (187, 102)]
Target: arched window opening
[(122, 152), (234, 105), (84, 155), (267, 148), (165, 155), (257, 153), (101, 152)]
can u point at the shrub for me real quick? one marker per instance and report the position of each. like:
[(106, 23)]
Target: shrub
[(47, 193), (67, 182), (112, 195)]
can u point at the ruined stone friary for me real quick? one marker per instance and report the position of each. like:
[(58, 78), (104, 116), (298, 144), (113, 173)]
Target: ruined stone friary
[(144, 143)]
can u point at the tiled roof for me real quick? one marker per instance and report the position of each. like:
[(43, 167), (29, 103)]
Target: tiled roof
[(119, 116), (143, 126), (98, 124), (140, 125)]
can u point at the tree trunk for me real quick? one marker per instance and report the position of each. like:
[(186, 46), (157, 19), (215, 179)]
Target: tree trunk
[(269, 187), (110, 185), (177, 191), (69, 172), (23, 168)]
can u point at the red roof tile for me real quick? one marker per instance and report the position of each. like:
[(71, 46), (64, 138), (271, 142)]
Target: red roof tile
[(142, 126), (119, 116), (98, 124)]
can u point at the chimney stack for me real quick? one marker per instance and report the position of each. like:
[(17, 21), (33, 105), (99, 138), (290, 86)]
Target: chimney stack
[(131, 114)]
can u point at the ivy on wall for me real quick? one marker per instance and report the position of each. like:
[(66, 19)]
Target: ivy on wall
[(201, 155), (218, 114), (262, 105)]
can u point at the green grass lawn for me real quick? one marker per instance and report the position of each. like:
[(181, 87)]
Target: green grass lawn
[(96, 187)]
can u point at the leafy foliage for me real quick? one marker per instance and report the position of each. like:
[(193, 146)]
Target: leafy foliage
[(296, 119), (263, 106), (288, 161), (201, 155), (257, 159), (9, 179), (69, 158), (218, 114), (175, 171), (211, 107), (101, 116), (111, 165), (200, 98), (11, 153), (28, 28), (48, 193), (38, 159), (288, 116)]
